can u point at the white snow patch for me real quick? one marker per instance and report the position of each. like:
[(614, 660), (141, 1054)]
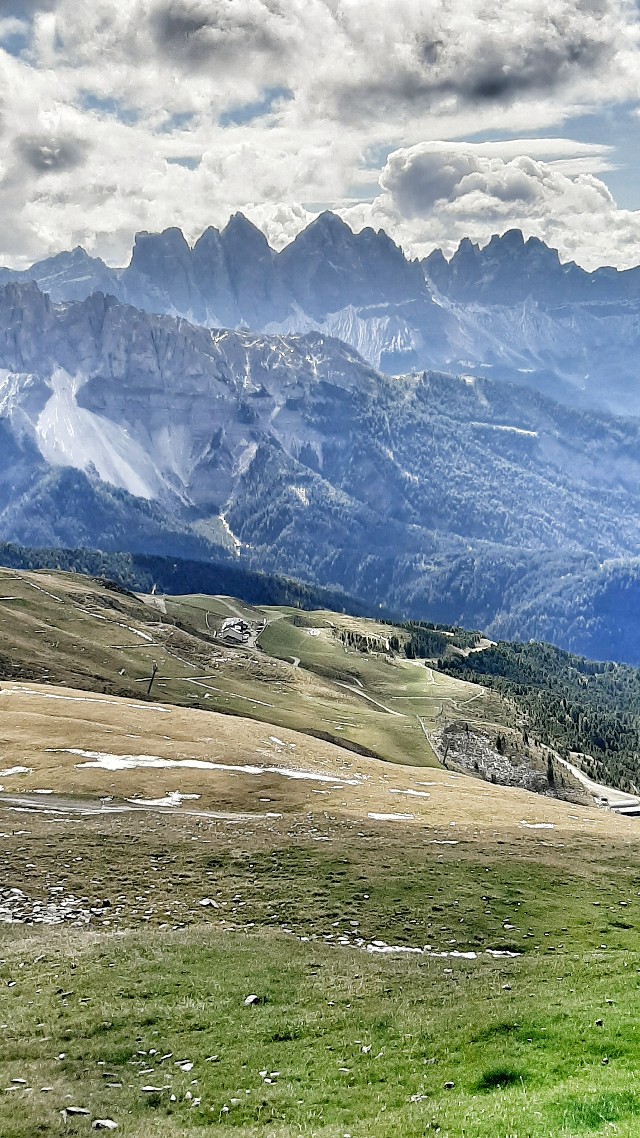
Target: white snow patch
[(142, 635), (69, 435), (506, 427), (10, 391), (396, 948), (391, 817), (538, 825), (301, 493), (454, 953), (86, 699), (108, 762), (379, 946), (16, 770), (173, 798)]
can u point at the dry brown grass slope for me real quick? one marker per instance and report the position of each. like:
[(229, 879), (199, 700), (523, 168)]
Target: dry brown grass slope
[(99, 746)]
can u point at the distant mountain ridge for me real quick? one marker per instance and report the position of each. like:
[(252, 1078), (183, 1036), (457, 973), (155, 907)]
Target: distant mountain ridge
[(441, 497), (232, 277), (510, 270), (510, 310)]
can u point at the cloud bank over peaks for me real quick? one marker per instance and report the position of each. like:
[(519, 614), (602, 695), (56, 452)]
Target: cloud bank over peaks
[(123, 115), (435, 193)]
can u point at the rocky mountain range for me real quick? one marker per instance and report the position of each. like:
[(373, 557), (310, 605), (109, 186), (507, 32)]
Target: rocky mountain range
[(509, 311), (443, 497)]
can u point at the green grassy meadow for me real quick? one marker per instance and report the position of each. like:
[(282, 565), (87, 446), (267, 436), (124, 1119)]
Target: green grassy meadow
[(546, 1043), (65, 629)]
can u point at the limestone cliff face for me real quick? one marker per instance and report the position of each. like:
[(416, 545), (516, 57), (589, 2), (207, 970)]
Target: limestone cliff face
[(149, 400), (176, 413), (510, 310)]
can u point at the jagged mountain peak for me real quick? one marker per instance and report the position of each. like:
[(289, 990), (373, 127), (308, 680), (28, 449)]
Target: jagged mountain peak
[(209, 236), (508, 244), (466, 246), (240, 229), (510, 239), (24, 294), (534, 242), (329, 268), (512, 243), (326, 226), (509, 305), (76, 255), (328, 229), (436, 261), (169, 242), (98, 304), (160, 275), (509, 269), (381, 237)]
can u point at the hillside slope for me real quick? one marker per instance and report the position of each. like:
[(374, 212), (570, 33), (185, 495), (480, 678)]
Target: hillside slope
[(383, 690), (199, 909), (76, 632)]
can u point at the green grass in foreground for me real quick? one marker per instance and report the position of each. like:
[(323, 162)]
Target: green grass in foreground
[(363, 1045), (353, 1038)]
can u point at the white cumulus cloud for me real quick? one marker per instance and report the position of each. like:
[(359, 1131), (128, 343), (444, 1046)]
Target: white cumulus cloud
[(433, 194)]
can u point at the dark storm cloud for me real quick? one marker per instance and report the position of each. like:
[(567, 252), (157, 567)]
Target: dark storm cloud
[(535, 50), (538, 68), (356, 62), (49, 155), (200, 32), (493, 79)]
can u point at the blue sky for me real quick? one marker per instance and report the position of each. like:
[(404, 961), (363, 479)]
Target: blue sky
[(433, 120)]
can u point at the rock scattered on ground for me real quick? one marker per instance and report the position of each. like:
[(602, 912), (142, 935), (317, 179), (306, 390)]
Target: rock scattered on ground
[(17, 908)]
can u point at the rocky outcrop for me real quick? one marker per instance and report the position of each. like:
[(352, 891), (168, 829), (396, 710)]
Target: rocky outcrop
[(328, 267)]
